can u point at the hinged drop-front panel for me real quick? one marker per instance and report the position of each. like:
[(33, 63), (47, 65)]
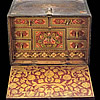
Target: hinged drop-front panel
[(34, 39), (49, 81)]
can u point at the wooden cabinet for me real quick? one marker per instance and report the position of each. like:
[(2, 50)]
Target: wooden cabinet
[(49, 47)]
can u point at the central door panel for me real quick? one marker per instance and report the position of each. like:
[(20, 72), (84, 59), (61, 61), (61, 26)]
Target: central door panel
[(49, 39)]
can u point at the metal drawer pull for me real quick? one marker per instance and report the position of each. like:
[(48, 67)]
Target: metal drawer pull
[(67, 22), (76, 46)]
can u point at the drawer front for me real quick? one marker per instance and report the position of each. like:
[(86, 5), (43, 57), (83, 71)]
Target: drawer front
[(45, 39), (82, 22), (77, 33), (76, 44), (40, 55), (50, 55), (22, 33), (77, 54), (40, 22), (22, 45)]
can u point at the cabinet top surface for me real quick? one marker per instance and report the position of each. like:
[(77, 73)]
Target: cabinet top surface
[(49, 7)]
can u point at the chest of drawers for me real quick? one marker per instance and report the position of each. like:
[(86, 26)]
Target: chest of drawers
[(49, 32), (49, 38)]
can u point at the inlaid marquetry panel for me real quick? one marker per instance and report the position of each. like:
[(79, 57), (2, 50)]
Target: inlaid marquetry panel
[(22, 33), (53, 55), (30, 21), (47, 81), (40, 55), (80, 22), (22, 45), (77, 33), (77, 54), (45, 39), (76, 44)]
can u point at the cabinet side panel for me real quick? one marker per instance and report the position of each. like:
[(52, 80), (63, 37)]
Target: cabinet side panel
[(89, 39), (9, 39)]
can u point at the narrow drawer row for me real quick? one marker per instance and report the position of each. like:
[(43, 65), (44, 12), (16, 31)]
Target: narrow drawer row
[(49, 55), (43, 22)]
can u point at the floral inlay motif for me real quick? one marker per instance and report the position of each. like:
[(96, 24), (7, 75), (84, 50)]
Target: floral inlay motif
[(49, 39), (68, 21), (49, 81), (76, 45), (29, 21), (77, 34), (21, 45), (21, 33)]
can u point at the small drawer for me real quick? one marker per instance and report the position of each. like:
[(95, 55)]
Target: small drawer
[(22, 33), (26, 21), (80, 22), (77, 54), (76, 33), (76, 44), (49, 39), (22, 45)]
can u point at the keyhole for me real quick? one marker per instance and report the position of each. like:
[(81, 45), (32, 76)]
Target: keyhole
[(21, 45)]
